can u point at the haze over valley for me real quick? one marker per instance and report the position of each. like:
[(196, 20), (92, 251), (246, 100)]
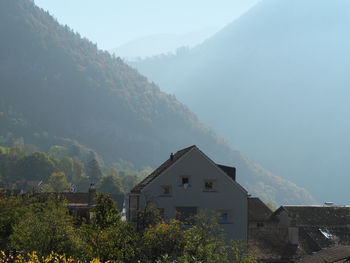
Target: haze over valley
[(266, 93), (274, 83)]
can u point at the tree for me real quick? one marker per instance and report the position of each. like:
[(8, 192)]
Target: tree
[(164, 239), (36, 166), (11, 212), (66, 165), (79, 177), (58, 183), (111, 184), (105, 213), (107, 236), (129, 181), (205, 240), (93, 171), (46, 226)]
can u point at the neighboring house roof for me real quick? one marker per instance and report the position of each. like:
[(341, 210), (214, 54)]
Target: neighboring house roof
[(257, 210), (75, 198), (317, 215), (319, 226), (229, 171), (334, 254), (172, 159)]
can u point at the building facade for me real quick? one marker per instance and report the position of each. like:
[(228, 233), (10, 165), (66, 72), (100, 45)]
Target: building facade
[(189, 182)]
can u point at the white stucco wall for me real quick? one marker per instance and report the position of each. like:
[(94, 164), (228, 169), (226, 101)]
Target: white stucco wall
[(227, 195)]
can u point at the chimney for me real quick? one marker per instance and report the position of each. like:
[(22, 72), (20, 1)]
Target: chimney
[(230, 171), (171, 156), (92, 193)]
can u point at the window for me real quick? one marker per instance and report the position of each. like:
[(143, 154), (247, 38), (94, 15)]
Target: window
[(186, 213), (185, 182), (223, 217), (209, 185), (166, 190)]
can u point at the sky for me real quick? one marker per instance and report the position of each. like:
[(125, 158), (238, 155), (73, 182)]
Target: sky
[(111, 23)]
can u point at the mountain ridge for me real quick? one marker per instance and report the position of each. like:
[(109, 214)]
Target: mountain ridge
[(279, 73), (57, 84)]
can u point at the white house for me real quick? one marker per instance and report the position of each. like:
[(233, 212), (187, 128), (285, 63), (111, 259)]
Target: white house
[(189, 181)]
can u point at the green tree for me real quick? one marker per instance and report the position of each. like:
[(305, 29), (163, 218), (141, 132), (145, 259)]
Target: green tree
[(107, 236), (36, 166), (46, 226), (240, 253), (11, 212), (93, 171), (79, 177), (66, 165), (129, 181), (205, 240), (110, 183), (58, 183), (164, 239)]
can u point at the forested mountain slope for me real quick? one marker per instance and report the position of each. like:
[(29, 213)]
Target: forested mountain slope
[(281, 75), (55, 85)]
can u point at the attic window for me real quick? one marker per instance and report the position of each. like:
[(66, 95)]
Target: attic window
[(185, 180), (209, 185), (166, 189)]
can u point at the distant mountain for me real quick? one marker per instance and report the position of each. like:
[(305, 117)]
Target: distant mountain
[(55, 85), (275, 83), (153, 45)]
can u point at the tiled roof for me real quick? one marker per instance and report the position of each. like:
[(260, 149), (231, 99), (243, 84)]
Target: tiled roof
[(320, 226), (75, 198), (160, 169), (257, 210), (334, 254), (318, 215)]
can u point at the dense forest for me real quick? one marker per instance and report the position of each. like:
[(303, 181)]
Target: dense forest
[(43, 172), (60, 93)]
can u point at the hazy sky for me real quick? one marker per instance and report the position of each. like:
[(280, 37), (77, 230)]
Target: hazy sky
[(110, 23)]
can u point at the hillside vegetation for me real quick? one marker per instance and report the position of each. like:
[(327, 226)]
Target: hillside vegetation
[(58, 89), (280, 76)]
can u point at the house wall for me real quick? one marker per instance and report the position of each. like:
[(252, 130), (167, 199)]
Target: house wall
[(284, 220), (227, 195)]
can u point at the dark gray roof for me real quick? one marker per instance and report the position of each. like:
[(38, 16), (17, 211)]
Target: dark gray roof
[(334, 254), (161, 168), (318, 215), (257, 210), (314, 221)]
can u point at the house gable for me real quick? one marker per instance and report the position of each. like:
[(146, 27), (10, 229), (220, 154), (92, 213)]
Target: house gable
[(177, 159), (189, 182)]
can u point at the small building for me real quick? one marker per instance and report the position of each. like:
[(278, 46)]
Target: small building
[(258, 213), (318, 226), (189, 182), (293, 232), (78, 204)]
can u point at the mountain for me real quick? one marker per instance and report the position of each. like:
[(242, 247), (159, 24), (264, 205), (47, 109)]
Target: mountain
[(153, 45), (280, 73), (56, 86)]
